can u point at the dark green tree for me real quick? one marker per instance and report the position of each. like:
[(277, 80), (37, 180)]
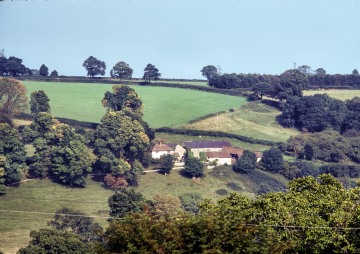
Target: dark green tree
[(355, 72), (54, 74), (320, 71), (125, 201), (292, 83), (193, 167), (306, 69), (151, 73), (209, 71), (246, 163), (123, 97), (14, 67), (191, 202), (166, 163), (46, 241), (76, 222), (94, 66), (39, 102), (44, 70), (309, 152), (121, 70), (12, 156), (272, 160)]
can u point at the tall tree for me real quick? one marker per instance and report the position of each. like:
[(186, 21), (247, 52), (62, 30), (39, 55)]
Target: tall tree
[(125, 201), (123, 97), (292, 83), (39, 102), (246, 163), (14, 67), (12, 156), (209, 71), (12, 96), (121, 70), (166, 163), (355, 72), (54, 74), (151, 73), (320, 71), (44, 70), (272, 160), (193, 167), (94, 66)]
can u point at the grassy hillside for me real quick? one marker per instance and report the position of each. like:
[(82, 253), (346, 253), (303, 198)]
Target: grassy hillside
[(47, 197), (253, 119), (338, 94), (162, 106)]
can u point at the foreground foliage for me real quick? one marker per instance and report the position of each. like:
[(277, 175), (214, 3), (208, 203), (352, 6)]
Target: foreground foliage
[(314, 216)]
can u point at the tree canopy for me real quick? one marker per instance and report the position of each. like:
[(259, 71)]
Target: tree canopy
[(209, 71), (121, 70), (13, 67), (151, 73), (246, 163), (54, 74), (94, 67), (39, 102), (13, 97), (44, 70), (193, 167), (125, 201)]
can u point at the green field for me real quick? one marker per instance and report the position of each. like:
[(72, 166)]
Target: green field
[(43, 196), (338, 94), (253, 119), (194, 83), (163, 106)]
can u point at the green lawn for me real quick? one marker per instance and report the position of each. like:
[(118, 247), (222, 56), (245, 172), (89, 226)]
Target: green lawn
[(338, 94), (253, 119), (163, 106)]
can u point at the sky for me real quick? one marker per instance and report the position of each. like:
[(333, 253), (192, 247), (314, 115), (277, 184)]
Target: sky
[(180, 37)]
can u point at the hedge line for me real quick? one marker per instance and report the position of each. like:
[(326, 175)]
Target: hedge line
[(205, 117), (216, 134)]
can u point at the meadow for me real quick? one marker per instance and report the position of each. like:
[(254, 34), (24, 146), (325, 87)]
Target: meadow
[(337, 94), (32, 205), (253, 119), (163, 106)]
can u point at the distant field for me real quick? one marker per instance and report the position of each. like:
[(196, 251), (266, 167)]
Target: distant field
[(194, 83), (338, 94), (163, 106), (253, 119)]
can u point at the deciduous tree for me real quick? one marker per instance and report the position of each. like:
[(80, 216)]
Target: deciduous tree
[(151, 73), (246, 163), (209, 71), (94, 66), (121, 70), (54, 74), (39, 102), (193, 167), (272, 160), (125, 201), (166, 163), (44, 70), (13, 97)]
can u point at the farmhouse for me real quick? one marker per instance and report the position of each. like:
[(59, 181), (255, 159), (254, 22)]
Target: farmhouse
[(161, 149), (235, 152), (221, 158), (197, 147)]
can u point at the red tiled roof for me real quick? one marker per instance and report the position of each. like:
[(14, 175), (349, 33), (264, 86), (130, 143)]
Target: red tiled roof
[(161, 147), (233, 150), (258, 154)]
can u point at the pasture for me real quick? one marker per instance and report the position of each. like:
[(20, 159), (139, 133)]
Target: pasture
[(253, 119), (163, 106), (337, 94)]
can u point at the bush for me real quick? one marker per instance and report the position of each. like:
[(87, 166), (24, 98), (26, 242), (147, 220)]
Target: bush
[(222, 192), (233, 186)]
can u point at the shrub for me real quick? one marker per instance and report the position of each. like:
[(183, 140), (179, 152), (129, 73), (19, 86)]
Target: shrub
[(233, 186), (222, 192)]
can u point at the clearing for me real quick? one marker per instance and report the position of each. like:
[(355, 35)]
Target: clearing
[(163, 106), (253, 119)]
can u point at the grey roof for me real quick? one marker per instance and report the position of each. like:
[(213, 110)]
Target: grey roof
[(206, 144)]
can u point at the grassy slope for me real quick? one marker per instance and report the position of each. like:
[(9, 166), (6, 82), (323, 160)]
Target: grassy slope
[(162, 106), (44, 196), (253, 119), (338, 94)]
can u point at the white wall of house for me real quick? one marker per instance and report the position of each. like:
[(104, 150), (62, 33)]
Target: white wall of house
[(221, 161), (157, 155)]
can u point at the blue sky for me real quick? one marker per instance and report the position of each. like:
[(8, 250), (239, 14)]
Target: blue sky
[(181, 36)]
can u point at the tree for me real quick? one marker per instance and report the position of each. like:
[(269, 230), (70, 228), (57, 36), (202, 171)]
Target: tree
[(309, 152), (272, 160), (14, 67), (306, 69), (123, 97), (190, 202), (151, 73), (166, 205), (12, 96), (54, 74), (39, 102), (355, 72), (246, 163), (121, 70), (166, 163), (46, 241), (125, 201), (121, 143), (44, 70), (59, 151), (76, 222), (292, 83), (94, 67), (320, 71), (193, 167), (209, 71)]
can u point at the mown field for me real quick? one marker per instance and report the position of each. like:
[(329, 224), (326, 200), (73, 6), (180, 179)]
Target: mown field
[(39, 197), (338, 94), (253, 119), (162, 106)]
